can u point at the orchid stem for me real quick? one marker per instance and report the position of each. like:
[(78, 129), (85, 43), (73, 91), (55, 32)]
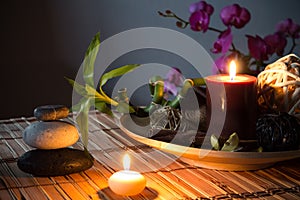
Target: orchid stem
[(293, 46), (214, 29), (169, 13), (233, 47)]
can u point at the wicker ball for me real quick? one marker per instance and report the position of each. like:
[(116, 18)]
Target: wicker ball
[(278, 132), (279, 86)]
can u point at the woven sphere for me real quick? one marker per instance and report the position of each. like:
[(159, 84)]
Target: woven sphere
[(279, 86), (278, 132)]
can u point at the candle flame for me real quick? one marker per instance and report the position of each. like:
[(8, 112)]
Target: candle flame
[(232, 70), (126, 162)]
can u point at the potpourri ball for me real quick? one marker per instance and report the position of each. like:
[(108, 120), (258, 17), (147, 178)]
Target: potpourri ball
[(279, 86), (278, 132)]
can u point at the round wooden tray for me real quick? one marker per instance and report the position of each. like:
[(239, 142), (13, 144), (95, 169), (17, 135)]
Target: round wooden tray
[(138, 129)]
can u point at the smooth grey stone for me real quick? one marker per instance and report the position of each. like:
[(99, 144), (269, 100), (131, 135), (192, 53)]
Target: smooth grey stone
[(56, 162), (51, 112), (50, 134)]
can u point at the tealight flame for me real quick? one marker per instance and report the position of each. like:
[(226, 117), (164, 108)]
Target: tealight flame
[(126, 162), (232, 70)]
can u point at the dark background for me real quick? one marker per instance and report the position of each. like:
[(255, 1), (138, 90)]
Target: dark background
[(43, 41)]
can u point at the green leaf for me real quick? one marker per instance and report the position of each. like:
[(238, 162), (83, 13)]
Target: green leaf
[(102, 107), (117, 72), (214, 142), (77, 106), (90, 91), (83, 121), (80, 89), (232, 143), (89, 60), (93, 93)]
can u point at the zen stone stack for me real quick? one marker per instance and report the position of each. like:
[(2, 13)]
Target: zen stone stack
[(52, 137), (50, 132), (51, 112)]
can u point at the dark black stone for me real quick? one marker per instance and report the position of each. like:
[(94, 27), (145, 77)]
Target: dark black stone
[(51, 112), (55, 162)]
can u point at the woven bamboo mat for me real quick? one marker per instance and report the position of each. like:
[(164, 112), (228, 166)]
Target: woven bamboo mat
[(167, 178)]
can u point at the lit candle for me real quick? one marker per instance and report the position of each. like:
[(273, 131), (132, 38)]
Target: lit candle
[(231, 104), (127, 182)]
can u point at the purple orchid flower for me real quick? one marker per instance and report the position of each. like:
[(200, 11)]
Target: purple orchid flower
[(258, 48), (170, 88), (173, 80), (200, 15), (289, 27), (234, 15), (199, 21), (220, 64), (223, 43), (202, 5), (276, 43)]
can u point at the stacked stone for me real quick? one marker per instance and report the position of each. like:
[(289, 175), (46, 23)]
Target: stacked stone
[(52, 138)]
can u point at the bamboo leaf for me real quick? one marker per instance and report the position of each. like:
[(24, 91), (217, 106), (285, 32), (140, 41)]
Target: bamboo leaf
[(117, 72), (80, 89), (102, 107), (83, 121), (91, 92), (77, 106), (89, 60)]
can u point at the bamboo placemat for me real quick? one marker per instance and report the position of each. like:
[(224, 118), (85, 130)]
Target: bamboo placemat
[(107, 144)]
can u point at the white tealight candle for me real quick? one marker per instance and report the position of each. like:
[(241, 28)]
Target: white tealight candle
[(127, 182)]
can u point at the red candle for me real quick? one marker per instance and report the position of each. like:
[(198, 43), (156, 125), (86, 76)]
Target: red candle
[(231, 104)]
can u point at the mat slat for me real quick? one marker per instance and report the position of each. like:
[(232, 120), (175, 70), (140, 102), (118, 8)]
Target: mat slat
[(5, 194), (52, 193), (167, 176)]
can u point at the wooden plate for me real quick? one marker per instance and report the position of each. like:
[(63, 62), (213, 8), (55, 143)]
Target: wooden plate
[(138, 129)]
